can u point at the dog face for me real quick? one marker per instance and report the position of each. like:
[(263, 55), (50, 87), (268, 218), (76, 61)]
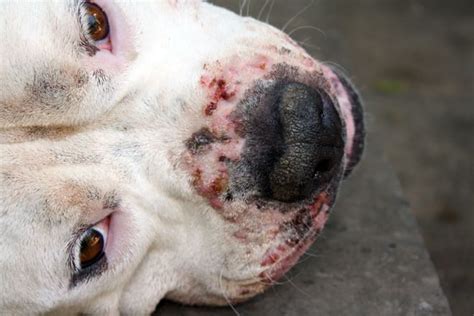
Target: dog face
[(160, 149)]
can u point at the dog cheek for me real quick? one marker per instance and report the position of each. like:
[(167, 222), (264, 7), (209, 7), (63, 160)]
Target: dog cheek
[(148, 286), (106, 63), (66, 96)]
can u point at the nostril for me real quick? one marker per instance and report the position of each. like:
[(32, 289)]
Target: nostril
[(323, 166), (313, 145), (294, 143)]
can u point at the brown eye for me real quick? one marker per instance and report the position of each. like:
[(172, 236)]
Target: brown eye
[(96, 21), (92, 248)]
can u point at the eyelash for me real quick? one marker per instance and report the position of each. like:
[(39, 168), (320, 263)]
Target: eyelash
[(82, 274), (92, 45), (88, 273)]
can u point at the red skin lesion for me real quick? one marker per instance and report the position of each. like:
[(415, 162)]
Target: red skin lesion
[(210, 108), (220, 90), (318, 218), (319, 202), (213, 189)]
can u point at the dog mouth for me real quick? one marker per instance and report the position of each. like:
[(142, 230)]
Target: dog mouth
[(271, 158), (297, 235), (289, 241)]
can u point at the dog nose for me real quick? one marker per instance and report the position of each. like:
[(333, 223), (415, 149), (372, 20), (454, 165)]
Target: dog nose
[(311, 144)]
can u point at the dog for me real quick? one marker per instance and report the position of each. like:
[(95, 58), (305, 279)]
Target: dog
[(166, 149)]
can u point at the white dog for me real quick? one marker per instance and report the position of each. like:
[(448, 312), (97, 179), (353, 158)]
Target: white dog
[(159, 149)]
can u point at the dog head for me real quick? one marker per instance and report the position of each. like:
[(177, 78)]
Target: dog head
[(160, 149)]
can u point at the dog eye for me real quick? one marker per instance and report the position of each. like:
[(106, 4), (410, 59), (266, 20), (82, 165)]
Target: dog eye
[(92, 244), (92, 248), (96, 21)]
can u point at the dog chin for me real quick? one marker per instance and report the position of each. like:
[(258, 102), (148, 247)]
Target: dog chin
[(193, 161), (289, 237)]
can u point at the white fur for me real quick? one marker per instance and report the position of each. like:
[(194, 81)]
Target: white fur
[(123, 138)]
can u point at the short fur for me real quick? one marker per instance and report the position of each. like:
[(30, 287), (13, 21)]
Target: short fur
[(86, 133)]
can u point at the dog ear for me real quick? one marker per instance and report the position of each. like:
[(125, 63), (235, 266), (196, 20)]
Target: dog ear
[(357, 111)]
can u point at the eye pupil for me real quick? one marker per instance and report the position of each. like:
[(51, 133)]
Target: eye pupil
[(92, 248), (93, 26), (97, 22)]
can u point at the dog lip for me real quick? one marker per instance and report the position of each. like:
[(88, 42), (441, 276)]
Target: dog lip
[(351, 105), (282, 266), (282, 258)]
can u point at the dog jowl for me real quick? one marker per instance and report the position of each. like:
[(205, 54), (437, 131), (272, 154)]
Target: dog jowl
[(166, 149)]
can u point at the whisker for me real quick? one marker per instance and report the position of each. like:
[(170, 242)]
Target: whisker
[(272, 4), (305, 43), (297, 288), (274, 282), (338, 66), (307, 27), (301, 261), (312, 255), (297, 15), (242, 6), (225, 296), (263, 9)]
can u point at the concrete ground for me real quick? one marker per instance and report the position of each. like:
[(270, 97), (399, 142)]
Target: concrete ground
[(370, 260), (413, 61)]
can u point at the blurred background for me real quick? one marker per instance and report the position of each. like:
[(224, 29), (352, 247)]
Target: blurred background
[(413, 61)]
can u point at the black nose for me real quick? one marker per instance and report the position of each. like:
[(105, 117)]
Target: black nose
[(309, 147)]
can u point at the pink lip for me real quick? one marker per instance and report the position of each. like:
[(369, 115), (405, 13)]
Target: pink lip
[(278, 267), (345, 106), (283, 266)]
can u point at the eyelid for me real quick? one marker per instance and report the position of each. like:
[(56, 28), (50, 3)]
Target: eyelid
[(105, 44), (74, 245), (103, 227)]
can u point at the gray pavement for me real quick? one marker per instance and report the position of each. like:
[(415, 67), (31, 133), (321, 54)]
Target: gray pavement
[(414, 63), (370, 261)]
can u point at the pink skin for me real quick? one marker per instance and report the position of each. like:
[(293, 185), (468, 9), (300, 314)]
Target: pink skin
[(115, 241), (345, 105), (225, 86), (113, 56), (116, 51), (280, 259), (114, 224), (111, 222)]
